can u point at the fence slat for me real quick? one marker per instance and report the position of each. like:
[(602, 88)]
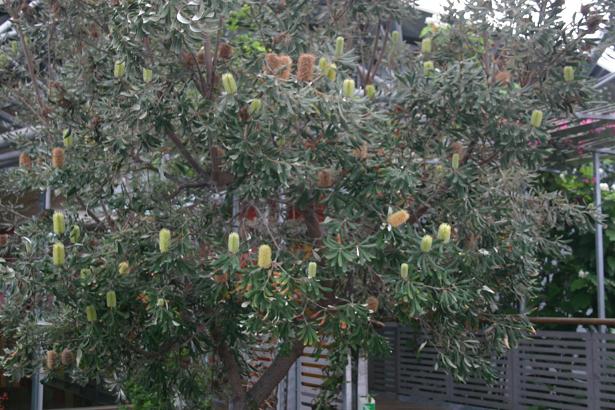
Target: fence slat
[(553, 369)]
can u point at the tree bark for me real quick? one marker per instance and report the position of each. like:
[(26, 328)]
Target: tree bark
[(274, 375)]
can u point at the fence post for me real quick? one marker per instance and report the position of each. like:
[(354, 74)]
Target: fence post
[(593, 370), (514, 365), (397, 356)]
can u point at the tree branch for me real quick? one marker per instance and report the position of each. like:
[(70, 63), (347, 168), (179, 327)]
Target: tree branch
[(233, 371), (274, 374), (186, 154)]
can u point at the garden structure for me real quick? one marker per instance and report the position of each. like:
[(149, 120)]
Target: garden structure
[(239, 194)]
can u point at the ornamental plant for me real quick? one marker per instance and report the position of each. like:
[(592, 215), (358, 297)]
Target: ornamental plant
[(225, 202)]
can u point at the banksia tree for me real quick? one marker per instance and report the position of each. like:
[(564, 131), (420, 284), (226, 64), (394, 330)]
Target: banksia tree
[(166, 166)]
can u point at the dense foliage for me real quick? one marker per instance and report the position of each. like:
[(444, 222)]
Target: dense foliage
[(568, 282), (165, 126)]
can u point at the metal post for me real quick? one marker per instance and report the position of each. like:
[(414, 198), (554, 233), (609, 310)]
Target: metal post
[(37, 391), (362, 381), (348, 384), (599, 243)]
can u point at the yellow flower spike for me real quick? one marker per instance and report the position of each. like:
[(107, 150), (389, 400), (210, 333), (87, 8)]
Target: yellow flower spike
[(119, 69), (428, 68), (58, 223), (229, 84), (111, 299), (444, 233), (323, 64), (395, 38), (348, 88), (123, 268), (370, 91), (67, 138), (426, 243), (426, 46), (255, 106), (75, 234), (332, 72), (90, 313), (264, 257), (396, 219), (536, 118), (312, 268), (148, 75), (233, 243), (164, 240), (339, 46), (455, 160), (568, 74), (403, 271), (58, 254)]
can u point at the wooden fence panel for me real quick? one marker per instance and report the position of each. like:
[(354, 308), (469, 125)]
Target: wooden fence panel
[(555, 370)]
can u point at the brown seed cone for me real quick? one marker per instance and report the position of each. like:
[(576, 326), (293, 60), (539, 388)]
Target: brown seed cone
[(25, 161), (305, 67), (57, 157), (279, 66), (186, 59), (200, 56), (67, 357), (4, 239), (52, 358), (503, 77), (361, 152), (225, 51), (221, 278), (325, 178), (373, 303)]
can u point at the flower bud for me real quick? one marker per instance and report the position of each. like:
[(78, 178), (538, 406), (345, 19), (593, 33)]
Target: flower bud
[(568, 73), (67, 357), (90, 313), (332, 72), (455, 160), (426, 46), (428, 68), (403, 271), (339, 46), (119, 69), (148, 75), (111, 300), (395, 38), (123, 268), (164, 240), (426, 243), (444, 233), (348, 88), (161, 302), (75, 234), (85, 273), (255, 106), (58, 223), (233, 243), (58, 254), (57, 157), (305, 67), (67, 138), (229, 84), (264, 257), (52, 358), (370, 91), (326, 178), (536, 118), (312, 267), (323, 64), (25, 161), (398, 218)]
